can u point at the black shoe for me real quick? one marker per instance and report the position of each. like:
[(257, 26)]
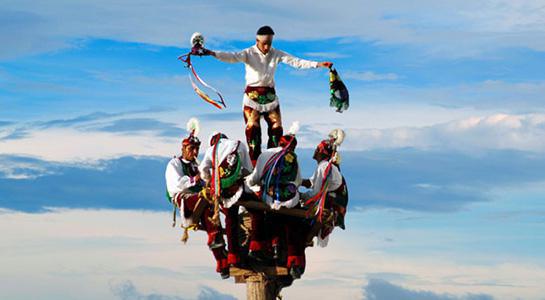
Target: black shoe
[(276, 252), (296, 272), (224, 273), (218, 242), (258, 255)]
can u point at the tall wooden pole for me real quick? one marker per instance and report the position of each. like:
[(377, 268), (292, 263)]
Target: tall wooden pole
[(259, 288)]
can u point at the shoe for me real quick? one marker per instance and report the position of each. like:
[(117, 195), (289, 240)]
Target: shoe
[(276, 252), (257, 255), (296, 272), (218, 242), (224, 273)]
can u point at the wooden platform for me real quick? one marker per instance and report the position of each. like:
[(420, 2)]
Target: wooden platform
[(294, 212), (256, 274)]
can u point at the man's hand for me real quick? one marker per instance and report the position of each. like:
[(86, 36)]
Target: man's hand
[(325, 64), (197, 177), (207, 52)]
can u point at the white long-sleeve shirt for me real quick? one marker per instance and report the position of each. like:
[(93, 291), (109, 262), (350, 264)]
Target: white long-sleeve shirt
[(254, 179), (335, 180), (176, 179), (226, 147), (179, 183), (260, 69)]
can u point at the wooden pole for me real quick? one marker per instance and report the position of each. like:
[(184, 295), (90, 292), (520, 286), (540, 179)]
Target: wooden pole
[(258, 287)]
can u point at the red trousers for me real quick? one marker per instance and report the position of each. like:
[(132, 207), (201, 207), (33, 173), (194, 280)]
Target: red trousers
[(283, 231), (190, 202)]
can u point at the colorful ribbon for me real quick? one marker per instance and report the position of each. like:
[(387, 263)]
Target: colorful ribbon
[(187, 59), (269, 168), (317, 202)]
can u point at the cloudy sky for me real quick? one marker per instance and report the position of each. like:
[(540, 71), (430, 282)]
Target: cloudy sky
[(444, 154)]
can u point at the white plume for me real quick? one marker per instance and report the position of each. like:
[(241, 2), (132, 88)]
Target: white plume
[(337, 135), (197, 37), (193, 126), (294, 128)]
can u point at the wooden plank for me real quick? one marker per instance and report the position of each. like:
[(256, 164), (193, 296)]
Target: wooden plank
[(269, 271), (294, 212)]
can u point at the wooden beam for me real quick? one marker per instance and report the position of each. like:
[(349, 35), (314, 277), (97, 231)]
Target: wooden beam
[(294, 212), (269, 271)]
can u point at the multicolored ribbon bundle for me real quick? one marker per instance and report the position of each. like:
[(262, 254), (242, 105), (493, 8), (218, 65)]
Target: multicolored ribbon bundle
[(215, 186), (275, 162), (197, 43), (317, 202), (221, 102)]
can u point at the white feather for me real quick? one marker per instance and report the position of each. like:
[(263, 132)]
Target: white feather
[(337, 135), (294, 128), (193, 126), (197, 37)]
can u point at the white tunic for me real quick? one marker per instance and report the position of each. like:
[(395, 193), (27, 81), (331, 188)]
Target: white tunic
[(178, 183), (254, 179), (226, 147), (335, 180), (260, 69)]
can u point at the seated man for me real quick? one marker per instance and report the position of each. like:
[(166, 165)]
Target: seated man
[(327, 186), (184, 185), (224, 166), (277, 173)]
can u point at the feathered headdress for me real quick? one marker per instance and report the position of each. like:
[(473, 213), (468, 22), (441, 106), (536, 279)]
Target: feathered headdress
[(329, 147), (193, 128), (289, 138)]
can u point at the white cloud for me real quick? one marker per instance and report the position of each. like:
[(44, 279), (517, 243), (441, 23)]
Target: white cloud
[(325, 55), (498, 131), (452, 27), (369, 76), (79, 253), (371, 127)]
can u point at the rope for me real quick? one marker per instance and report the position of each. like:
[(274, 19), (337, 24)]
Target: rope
[(215, 188)]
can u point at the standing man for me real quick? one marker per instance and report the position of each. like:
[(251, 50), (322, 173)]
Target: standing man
[(184, 185), (260, 97)]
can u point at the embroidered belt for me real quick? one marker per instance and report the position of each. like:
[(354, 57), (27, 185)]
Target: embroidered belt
[(261, 94)]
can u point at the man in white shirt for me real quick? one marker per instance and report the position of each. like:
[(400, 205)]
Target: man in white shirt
[(260, 97), (183, 186), (224, 166)]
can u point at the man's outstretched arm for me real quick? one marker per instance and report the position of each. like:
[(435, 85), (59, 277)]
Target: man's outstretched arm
[(230, 57), (302, 63)]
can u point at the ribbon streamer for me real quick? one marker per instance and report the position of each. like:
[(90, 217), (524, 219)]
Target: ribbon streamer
[(218, 104)]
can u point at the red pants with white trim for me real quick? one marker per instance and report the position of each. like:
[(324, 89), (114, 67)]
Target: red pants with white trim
[(190, 202), (291, 230)]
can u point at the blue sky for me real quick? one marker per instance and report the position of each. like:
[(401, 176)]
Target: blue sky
[(444, 154)]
